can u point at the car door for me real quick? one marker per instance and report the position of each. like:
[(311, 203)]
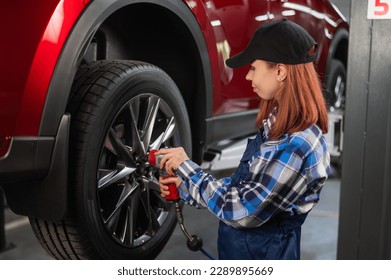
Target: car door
[(234, 22), (307, 13)]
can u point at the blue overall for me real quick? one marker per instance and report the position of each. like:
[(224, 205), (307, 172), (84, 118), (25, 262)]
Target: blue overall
[(277, 239)]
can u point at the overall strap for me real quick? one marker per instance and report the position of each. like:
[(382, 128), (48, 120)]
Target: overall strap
[(253, 146)]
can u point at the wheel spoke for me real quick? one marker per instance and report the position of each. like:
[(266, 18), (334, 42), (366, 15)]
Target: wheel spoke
[(339, 90), (133, 135), (145, 197), (134, 107), (154, 185), (112, 220), (128, 230), (147, 129), (110, 177), (167, 134), (153, 224), (127, 233), (122, 151), (109, 147)]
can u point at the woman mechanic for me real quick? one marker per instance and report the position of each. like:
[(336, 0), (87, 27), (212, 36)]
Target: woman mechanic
[(263, 205)]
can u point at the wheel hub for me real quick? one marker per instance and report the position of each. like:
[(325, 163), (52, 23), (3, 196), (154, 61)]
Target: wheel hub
[(142, 166)]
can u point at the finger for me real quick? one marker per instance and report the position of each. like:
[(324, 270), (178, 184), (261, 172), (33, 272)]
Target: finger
[(163, 151), (164, 189), (167, 180), (165, 193), (172, 171), (170, 168), (170, 180), (164, 160)]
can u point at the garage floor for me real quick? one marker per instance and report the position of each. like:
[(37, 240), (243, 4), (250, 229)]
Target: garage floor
[(319, 233)]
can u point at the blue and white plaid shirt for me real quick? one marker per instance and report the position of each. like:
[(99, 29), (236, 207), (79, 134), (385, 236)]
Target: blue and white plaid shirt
[(285, 175)]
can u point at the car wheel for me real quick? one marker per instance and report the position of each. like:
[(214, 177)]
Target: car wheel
[(336, 94), (120, 111), (336, 86)]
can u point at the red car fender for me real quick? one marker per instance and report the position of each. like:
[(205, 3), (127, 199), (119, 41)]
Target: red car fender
[(21, 103)]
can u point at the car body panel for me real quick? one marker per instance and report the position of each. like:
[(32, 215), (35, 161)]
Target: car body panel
[(47, 41), (37, 40), (31, 58)]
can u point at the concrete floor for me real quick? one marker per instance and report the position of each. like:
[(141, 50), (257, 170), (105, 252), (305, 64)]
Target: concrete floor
[(319, 232)]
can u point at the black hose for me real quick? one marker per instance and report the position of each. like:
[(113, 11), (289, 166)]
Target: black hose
[(194, 242)]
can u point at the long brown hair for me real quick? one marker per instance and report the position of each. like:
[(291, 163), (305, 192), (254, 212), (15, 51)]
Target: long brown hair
[(300, 102)]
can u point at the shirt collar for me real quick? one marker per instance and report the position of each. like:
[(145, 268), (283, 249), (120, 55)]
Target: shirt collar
[(268, 123)]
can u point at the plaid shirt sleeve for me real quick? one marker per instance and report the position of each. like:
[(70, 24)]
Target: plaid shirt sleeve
[(279, 177)]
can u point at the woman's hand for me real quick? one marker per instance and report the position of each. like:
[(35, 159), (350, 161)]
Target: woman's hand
[(172, 158), (164, 182)]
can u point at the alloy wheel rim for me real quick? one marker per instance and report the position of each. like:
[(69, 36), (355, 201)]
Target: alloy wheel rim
[(339, 93), (129, 200)]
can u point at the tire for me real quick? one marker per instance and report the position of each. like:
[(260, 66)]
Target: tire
[(120, 111), (336, 86), (336, 96)]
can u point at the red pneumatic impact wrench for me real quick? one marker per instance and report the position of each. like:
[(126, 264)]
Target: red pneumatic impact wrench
[(155, 162), (194, 242)]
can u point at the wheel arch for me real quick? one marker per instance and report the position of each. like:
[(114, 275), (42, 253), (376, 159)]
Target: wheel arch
[(338, 48), (51, 184), (179, 49)]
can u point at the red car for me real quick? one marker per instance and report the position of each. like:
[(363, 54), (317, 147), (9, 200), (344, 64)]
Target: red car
[(89, 87)]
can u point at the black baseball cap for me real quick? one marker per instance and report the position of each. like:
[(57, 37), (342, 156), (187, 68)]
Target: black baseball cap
[(280, 41)]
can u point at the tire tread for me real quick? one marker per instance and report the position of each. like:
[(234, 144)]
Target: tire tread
[(67, 239)]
